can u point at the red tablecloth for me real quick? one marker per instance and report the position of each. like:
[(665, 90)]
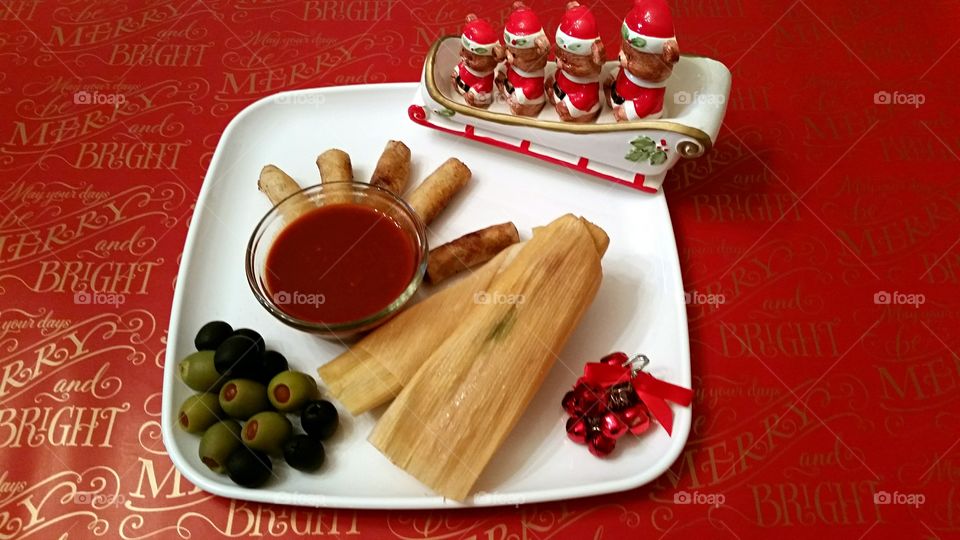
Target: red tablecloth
[(825, 219)]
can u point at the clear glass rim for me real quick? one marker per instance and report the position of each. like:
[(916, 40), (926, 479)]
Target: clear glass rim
[(263, 296)]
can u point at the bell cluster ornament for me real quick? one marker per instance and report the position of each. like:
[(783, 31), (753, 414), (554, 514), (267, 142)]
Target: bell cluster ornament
[(615, 397)]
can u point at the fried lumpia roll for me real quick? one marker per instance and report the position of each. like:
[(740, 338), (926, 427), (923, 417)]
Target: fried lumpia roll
[(277, 186), (334, 165), (435, 193), (470, 250), (393, 168)]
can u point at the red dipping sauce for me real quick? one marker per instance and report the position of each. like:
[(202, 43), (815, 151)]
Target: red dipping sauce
[(339, 263)]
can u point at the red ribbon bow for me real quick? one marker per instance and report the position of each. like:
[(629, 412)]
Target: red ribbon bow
[(653, 392)]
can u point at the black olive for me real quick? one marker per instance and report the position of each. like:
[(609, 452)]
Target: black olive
[(254, 335), (303, 453), (319, 419), (249, 468), (271, 363), (211, 335), (238, 356)]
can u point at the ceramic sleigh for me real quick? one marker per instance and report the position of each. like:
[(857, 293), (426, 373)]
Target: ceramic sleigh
[(635, 153)]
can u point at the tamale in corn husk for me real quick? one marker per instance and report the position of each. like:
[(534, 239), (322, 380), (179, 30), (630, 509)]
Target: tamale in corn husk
[(449, 420), (374, 370)]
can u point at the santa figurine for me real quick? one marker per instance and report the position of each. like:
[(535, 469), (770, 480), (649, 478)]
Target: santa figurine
[(580, 55), (480, 52), (648, 52), (527, 48)]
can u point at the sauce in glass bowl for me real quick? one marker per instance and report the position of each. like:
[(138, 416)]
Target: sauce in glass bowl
[(339, 263)]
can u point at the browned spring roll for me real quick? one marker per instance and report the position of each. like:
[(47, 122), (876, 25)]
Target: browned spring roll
[(393, 168), (277, 186), (470, 250), (334, 165), (433, 195)]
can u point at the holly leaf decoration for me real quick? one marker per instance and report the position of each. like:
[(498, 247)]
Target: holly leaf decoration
[(444, 112), (480, 50), (643, 148), (638, 42), (576, 45), (624, 32), (520, 42), (643, 142), (638, 154)]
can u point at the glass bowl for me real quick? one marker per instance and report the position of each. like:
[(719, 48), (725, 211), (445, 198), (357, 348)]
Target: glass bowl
[(319, 195)]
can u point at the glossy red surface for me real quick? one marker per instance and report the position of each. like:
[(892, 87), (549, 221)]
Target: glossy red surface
[(339, 263), (824, 408)]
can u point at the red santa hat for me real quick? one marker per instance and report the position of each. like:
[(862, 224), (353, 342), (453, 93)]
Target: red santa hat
[(522, 28), (479, 37), (577, 31), (648, 26)]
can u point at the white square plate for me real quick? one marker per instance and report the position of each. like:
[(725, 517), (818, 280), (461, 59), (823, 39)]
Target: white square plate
[(639, 307)]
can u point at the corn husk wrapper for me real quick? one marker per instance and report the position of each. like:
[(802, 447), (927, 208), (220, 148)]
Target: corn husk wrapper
[(374, 370), (449, 420)]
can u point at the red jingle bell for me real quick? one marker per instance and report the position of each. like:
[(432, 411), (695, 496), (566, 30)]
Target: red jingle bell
[(636, 418), (589, 400), (570, 403), (600, 445), (612, 426), (577, 430)]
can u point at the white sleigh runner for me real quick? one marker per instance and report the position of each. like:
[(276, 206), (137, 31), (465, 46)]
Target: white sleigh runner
[(637, 154)]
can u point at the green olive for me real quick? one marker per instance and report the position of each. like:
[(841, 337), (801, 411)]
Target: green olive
[(218, 442), (198, 372), (243, 398), (289, 391), (199, 412), (267, 432)]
